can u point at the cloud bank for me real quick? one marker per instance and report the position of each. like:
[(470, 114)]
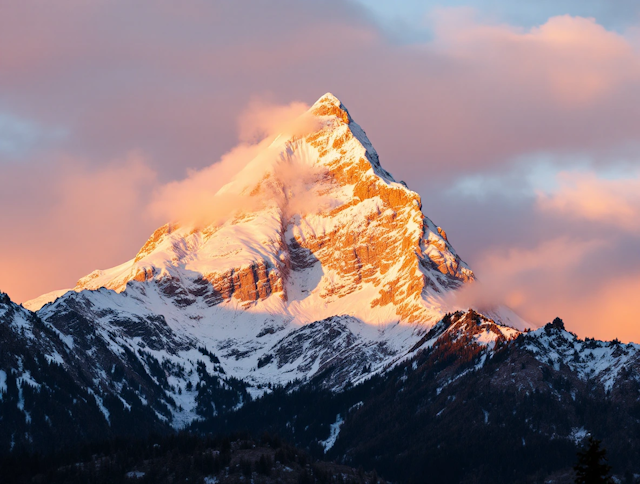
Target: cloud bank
[(150, 93)]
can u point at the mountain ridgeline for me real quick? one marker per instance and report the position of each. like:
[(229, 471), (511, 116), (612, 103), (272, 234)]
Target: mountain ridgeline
[(318, 311)]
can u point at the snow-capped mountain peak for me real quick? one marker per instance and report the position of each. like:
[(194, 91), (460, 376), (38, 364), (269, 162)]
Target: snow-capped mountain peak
[(320, 229), (311, 268)]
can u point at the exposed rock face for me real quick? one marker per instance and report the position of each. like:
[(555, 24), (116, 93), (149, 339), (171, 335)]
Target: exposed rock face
[(248, 284), (390, 243), (359, 244)]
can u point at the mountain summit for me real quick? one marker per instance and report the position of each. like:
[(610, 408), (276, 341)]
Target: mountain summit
[(321, 229), (312, 279)]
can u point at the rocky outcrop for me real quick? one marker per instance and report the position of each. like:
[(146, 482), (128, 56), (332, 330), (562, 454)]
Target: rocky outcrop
[(153, 241), (248, 284)]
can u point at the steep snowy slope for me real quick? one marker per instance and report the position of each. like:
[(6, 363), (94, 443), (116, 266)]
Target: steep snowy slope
[(322, 234), (91, 373), (324, 230), (260, 348)]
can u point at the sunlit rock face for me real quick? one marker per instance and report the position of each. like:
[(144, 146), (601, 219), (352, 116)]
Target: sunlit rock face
[(325, 230)]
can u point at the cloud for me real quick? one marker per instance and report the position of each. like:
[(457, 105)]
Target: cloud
[(214, 194), (565, 255), (610, 310), (168, 81), (492, 92), (554, 278), (580, 195), (74, 219), (572, 60), (262, 119), (297, 190), (195, 199), (521, 278), (406, 19)]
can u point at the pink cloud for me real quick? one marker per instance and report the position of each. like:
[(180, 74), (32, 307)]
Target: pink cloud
[(572, 59), (168, 82), (586, 196), (523, 277), (197, 199), (552, 279), (571, 254), (262, 119), (173, 79), (75, 219)]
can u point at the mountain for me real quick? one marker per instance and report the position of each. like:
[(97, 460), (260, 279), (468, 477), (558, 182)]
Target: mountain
[(325, 263), (328, 231), (68, 379), (459, 410), (323, 233), (311, 299)]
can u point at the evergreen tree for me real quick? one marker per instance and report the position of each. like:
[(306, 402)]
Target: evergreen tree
[(592, 467)]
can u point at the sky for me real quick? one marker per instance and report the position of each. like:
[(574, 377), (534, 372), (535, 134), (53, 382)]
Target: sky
[(518, 123)]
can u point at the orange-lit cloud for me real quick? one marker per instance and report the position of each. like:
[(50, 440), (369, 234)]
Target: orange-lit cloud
[(609, 311), (262, 119), (553, 279), (194, 200), (571, 254), (520, 277), (198, 200), (171, 80), (583, 195), (79, 219)]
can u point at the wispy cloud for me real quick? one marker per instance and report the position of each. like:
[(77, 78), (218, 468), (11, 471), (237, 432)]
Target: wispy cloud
[(585, 195), (206, 196)]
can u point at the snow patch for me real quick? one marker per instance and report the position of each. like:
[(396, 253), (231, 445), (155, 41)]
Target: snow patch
[(37, 303), (135, 475), (100, 404), (578, 434), (333, 434), (3, 383)]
